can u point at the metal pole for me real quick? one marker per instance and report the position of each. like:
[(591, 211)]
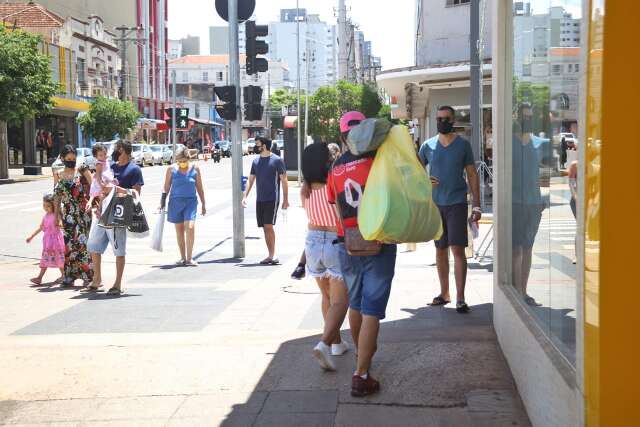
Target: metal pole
[(476, 87), (306, 99), (268, 115), (123, 82), (173, 113), (298, 68), (236, 134)]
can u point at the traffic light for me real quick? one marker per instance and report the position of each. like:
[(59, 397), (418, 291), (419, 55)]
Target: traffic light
[(226, 94), (182, 117), (253, 108), (256, 47)]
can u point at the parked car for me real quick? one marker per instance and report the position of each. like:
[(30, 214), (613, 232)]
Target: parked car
[(167, 154), (225, 148), (279, 143), (157, 154), (142, 155), (83, 158), (251, 145)]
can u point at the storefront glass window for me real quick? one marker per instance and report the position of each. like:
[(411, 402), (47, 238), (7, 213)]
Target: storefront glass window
[(544, 154)]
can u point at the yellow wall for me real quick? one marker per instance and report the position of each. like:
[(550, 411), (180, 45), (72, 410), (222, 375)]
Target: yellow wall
[(612, 223)]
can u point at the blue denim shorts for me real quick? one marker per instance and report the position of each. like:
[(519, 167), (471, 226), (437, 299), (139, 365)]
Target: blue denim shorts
[(100, 238), (182, 209), (368, 279), (323, 259)]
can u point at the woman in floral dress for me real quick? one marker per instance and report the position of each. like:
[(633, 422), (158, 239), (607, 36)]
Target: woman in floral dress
[(71, 201)]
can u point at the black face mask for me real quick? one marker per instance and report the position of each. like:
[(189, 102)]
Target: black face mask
[(445, 127), (70, 164), (527, 125)]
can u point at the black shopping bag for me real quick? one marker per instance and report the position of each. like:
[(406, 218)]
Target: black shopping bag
[(118, 213), (139, 224)]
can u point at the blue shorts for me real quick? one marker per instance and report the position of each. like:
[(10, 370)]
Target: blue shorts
[(323, 258), (182, 209), (368, 279), (100, 238)]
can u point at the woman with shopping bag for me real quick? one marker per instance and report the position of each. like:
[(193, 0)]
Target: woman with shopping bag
[(182, 181)]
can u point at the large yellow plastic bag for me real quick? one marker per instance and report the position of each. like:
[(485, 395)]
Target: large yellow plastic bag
[(397, 206)]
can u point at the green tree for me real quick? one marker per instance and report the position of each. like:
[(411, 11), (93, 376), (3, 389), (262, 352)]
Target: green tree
[(109, 117), (370, 101), (324, 113), (26, 85)]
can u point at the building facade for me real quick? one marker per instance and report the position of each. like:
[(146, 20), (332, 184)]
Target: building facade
[(190, 45), (175, 49), (318, 42), (146, 71), (197, 76), (219, 40)]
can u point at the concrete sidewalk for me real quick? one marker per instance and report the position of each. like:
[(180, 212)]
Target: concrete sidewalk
[(17, 175), (230, 343)]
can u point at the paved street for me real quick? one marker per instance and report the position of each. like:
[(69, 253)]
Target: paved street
[(229, 342)]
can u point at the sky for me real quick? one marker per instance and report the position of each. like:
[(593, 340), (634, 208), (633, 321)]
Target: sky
[(389, 26)]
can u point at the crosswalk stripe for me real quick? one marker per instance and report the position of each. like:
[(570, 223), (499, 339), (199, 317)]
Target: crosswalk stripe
[(17, 205)]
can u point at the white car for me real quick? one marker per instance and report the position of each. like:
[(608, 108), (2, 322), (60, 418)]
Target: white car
[(245, 148), (141, 155), (157, 154), (83, 158), (251, 145), (167, 154)]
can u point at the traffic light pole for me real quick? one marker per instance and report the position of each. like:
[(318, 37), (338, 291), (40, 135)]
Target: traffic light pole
[(173, 113), (236, 134)]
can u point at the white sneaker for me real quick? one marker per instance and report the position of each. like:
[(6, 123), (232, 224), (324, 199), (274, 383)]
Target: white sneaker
[(339, 349), (322, 353)]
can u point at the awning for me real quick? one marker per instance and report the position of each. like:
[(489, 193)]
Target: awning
[(152, 124), (70, 105), (398, 83), (290, 122), (206, 122)]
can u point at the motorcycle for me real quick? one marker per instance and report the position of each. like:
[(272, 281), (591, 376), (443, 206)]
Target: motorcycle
[(216, 155)]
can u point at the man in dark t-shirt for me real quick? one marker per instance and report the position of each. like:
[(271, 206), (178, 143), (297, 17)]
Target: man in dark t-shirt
[(268, 172)]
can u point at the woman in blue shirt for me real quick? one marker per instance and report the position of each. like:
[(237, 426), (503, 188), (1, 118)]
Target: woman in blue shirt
[(182, 181)]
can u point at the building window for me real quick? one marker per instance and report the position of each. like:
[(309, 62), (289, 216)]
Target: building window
[(219, 76), (82, 70), (185, 77), (457, 2), (109, 58), (81, 48), (205, 76), (538, 257)]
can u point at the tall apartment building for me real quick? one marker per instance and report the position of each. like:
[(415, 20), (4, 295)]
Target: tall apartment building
[(175, 49), (318, 43), (146, 66), (190, 45), (219, 40)]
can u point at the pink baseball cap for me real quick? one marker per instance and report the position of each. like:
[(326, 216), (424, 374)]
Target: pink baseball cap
[(350, 120)]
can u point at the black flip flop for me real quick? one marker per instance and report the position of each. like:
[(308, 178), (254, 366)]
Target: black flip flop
[(462, 307), (114, 292), (439, 301), (530, 301)]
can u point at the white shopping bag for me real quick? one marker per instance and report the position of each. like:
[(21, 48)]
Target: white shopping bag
[(156, 236)]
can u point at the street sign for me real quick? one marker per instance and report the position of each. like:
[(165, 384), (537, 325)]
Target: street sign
[(245, 9)]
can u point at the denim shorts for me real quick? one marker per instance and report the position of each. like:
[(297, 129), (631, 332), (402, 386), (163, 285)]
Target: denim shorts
[(100, 238), (368, 279), (323, 259), (182, 209)]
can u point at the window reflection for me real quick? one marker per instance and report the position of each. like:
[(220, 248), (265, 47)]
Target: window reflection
[(545, 144)]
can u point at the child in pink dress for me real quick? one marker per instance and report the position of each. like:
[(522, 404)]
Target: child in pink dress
[(53, 248), (103, 178)]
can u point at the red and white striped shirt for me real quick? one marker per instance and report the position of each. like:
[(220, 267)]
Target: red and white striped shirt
[(319, 211)]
